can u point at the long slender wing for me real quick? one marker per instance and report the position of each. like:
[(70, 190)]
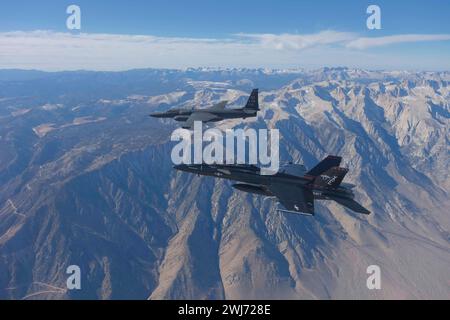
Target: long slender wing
[(295, 199), (198, 116)]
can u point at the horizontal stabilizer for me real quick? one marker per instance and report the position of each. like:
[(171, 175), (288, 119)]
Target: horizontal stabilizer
[(351, 204)]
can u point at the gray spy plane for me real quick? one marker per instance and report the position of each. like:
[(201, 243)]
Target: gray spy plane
[(293, 186), (217, 112)]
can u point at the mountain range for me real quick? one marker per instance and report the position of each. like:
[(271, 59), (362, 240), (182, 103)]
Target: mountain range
[(86, 179)]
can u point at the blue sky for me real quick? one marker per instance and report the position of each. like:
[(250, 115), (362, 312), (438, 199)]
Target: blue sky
[(280, 34)]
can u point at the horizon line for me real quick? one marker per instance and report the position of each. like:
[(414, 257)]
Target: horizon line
[(218, 68)]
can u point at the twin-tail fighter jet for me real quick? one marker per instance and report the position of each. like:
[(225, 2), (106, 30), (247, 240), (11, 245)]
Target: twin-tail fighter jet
[(293, 186)]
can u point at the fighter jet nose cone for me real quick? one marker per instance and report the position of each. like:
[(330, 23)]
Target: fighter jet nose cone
[(181, 167)]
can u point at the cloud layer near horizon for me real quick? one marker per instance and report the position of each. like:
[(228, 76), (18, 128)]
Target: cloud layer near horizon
[(48, 50)]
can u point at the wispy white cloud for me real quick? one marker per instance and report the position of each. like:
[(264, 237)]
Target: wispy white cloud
[(365, 43), (50, 50), (298, 41), (56, 50)]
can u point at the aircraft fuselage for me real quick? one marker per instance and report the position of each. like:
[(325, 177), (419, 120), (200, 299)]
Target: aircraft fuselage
[(184, 114), (250, 175)]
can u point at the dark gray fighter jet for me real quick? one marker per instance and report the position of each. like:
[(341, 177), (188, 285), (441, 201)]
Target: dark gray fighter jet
[(215, 113), (293, 186)]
